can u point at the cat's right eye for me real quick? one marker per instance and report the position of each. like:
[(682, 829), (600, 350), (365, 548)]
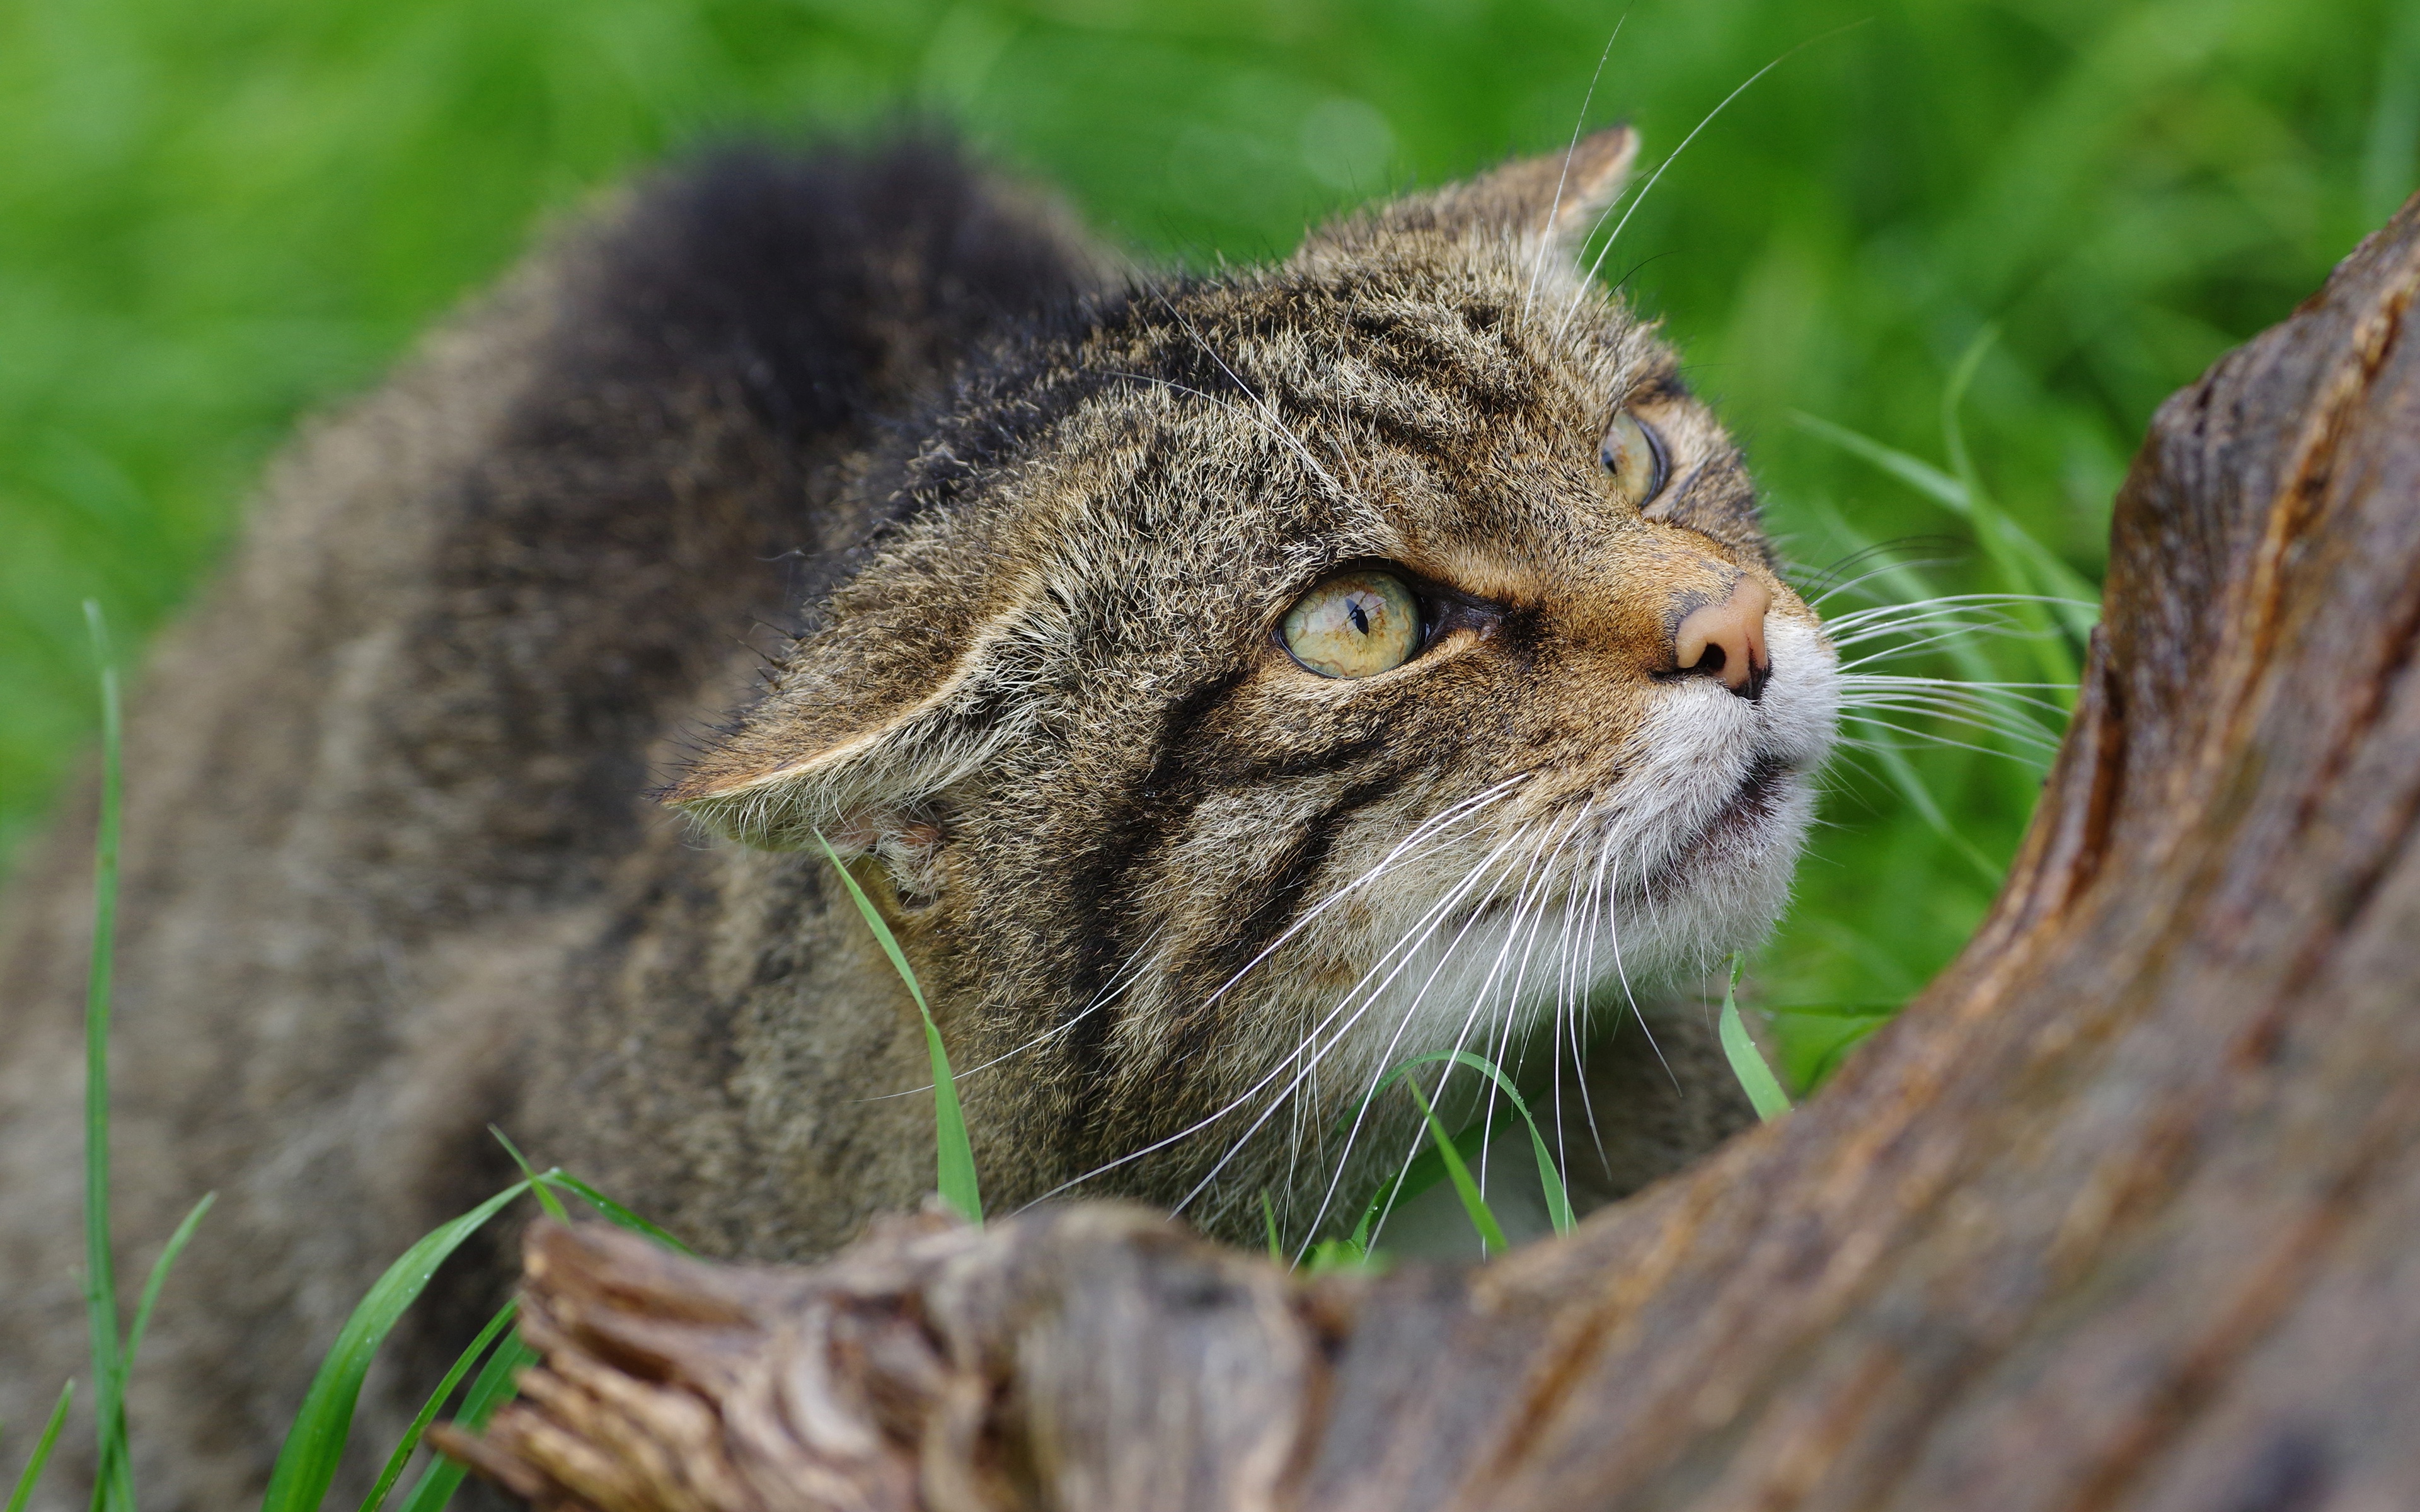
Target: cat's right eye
[(1633, 454), (1355, 625)]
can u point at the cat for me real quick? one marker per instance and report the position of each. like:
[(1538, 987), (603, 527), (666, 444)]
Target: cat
[(1228, 688)]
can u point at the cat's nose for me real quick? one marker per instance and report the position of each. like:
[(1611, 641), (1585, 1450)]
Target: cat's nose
[(1726, 639)]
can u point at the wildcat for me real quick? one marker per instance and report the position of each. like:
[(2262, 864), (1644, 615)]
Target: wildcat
[(1228, 688)]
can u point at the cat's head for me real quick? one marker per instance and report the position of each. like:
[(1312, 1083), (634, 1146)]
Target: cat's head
[(1278, 675)]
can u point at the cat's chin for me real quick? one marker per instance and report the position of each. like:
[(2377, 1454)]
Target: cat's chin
[(1725, 887)]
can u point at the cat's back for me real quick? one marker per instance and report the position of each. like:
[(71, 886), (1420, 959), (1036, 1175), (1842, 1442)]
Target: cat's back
[(394, 767)]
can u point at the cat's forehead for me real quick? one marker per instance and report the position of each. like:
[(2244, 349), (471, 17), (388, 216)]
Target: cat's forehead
[(1419, 351), (1450, 407)]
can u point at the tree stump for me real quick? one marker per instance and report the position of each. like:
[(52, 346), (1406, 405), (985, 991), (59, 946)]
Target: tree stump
[(2120, 1213)]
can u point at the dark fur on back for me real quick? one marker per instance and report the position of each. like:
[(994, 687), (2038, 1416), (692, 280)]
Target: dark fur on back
[(391, 778)]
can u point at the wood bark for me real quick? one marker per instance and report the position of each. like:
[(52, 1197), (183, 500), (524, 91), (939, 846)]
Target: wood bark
[(2121, 1212)]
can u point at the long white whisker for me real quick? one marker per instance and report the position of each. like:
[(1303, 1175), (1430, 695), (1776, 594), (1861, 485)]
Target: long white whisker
[(1386, 1058), (1124, 977), (1532, 893), (1427, 827), (1640, 199), (1546, 242), (1386, 1061), (1259, 399), (1927, 736), (1513, 995), (1432, 920), (1622, 972), (1249, 1092), (1888, 569)]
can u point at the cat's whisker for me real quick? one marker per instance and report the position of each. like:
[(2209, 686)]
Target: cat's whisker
[(1512, 994), (1921, 736), (2016, 715), (1602, 901), (2015, 724), (1571, 1001), (1885, 618), (1345, 1155), (1126, 976), (1436, 910), (1463, 808), (1640, 199), (1407, 948), (2019, 712), (1523, 902), (1933, 622), (1546, 243), (1260, 401), (1885, 610), (1622, 972), (2028, 692), (1938, 636), (1828, 584), (1386, 1059)]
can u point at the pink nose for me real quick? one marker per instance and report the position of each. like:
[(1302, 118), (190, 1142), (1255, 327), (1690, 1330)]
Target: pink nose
[(1726, 639)]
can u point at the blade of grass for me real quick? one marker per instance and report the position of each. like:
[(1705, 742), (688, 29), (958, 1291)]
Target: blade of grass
[(954, 1157), (492, 1389), (428, 1410), (1550, 1178), (306, 1465), (2025, 564), (614, 1211), (42, 1447), (123, 1471), (1756, 1078), (493, 1383), (1996, 532), (1424, 1171), (159, 1276), (113, 1487), (546, 1199), (1491, 1233), (1904, 776), (1269, 1220)]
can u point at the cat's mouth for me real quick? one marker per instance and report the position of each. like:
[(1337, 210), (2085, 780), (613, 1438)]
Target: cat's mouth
[(1751, 807)]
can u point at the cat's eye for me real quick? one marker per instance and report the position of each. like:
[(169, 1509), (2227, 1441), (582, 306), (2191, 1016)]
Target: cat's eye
[(1633, 455), (1355, 625)]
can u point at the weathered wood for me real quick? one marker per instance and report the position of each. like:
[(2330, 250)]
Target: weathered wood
[(2119, 1213)]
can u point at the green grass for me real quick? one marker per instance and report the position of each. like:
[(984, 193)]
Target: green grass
[(954, 1154)]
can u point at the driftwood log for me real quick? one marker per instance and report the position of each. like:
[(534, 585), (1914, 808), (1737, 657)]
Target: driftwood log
[(2124, 1211)]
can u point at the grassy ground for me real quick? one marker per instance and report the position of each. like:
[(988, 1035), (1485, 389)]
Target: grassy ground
[(214, 217)]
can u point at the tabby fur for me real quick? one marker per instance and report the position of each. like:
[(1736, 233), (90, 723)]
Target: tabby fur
[(397, 867)]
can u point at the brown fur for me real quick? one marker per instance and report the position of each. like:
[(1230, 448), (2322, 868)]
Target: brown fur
[(394, 872)]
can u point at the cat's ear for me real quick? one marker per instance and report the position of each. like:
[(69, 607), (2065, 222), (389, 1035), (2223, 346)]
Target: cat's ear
[(861, 724), (1547, 203)]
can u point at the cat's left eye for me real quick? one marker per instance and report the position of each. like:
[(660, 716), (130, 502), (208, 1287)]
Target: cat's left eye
[(1355, 625), (1633, 455)]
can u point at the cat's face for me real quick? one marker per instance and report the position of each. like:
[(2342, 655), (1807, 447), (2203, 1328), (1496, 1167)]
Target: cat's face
[(1289, 673)]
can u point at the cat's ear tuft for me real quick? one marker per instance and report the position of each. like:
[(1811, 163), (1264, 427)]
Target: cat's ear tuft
[(1551, 201)]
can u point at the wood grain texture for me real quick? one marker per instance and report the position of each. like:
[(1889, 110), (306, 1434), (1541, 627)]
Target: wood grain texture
[(2118, 1214)]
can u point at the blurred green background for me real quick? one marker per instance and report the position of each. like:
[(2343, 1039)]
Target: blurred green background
[(216, 216)]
